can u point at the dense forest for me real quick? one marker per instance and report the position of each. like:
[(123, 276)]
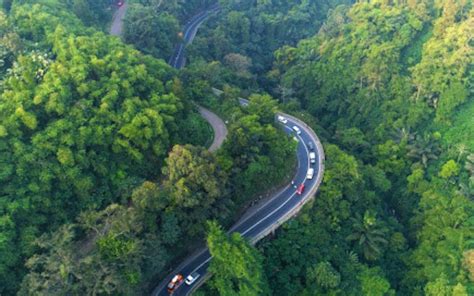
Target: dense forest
[(153, 26), (401, 219), (103, 170), (244, 34), (106, 183)]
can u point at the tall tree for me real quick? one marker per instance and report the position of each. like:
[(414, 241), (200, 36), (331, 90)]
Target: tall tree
[(236, 266), (368, 235), (196, 186)]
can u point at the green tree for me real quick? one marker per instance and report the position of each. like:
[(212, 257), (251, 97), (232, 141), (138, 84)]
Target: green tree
[(152, 32), (263, 106), (368, 235), (236, 266), (325, 275), (423, 149), (446, 231), (239, 63), (449, 169), (111, 251), (374, 283), (196, 186), (10, 45), (257, 149), (90, 119)]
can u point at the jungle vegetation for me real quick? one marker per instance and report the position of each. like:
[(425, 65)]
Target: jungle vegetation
[(105, 182)]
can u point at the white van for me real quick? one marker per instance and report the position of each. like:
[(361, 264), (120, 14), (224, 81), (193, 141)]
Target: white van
[(282, 119), (297, 130), (310, 174), (312, 157)]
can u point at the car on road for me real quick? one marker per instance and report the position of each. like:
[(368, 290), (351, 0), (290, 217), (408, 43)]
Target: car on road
[(310, 174), (282, 119), (175, 282), (310, 145), (312, 157), (297, 130), (300, 189), (120, 3), (190, 279)]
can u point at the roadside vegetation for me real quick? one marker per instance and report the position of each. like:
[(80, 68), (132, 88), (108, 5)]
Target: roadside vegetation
[(154, 26)]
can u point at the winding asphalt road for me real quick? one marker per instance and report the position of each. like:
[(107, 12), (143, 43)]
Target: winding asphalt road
[(116, 27), (273, 212), (283, 206), (178, 61), (218, 126)]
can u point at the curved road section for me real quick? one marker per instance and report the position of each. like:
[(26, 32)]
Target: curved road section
[(178, 61), (116, 27), (283, 206), (218, 126), (274, 212)]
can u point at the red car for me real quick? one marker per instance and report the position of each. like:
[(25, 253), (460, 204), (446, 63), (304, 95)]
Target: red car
[(300, 189), (175, 282)]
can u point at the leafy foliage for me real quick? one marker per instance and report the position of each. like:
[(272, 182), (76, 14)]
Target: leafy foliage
[(368, 235), (237, 268), (83, 119), (154, 26), (151, 32), (254, 29), (385, 80)]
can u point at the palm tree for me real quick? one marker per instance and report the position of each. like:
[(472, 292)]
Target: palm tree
[(467, 189), (423, 149), (368, 235), (461, 149), (403, 135), (470, 164)]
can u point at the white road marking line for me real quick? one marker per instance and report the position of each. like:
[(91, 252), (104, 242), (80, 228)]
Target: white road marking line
[(283, 204), (264, 218), (202, 264), (265, 204)]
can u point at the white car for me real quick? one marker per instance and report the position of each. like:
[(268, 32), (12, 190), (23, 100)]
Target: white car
[(282, 119), (310, 174), (312, 157), (190, 279), (297, 130)]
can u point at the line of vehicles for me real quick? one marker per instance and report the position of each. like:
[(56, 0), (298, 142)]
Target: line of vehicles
[(178, 279), (312, 155)]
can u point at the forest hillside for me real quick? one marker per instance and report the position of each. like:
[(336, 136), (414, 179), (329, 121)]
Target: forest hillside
[(106, 184)]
